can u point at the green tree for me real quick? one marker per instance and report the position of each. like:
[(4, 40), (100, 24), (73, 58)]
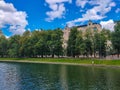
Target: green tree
[(25, 42), (58, 42), (116, 38), (101, 39), (54, 42), (3, 46), (35, 36), (71, 48), (14, 46), (80, 45), (88, 40), (41, 46)]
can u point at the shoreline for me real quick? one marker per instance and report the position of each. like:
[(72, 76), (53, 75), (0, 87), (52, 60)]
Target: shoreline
[(59, 63)]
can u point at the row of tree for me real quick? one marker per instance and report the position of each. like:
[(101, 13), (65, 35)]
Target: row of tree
[(32, 44), (94, 43), (49, 43), (88, 44)]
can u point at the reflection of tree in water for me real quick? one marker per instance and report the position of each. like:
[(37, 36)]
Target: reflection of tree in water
[(63, 78), (58, 77)]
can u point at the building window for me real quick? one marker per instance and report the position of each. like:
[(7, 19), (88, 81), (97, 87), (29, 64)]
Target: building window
[(95, 28)]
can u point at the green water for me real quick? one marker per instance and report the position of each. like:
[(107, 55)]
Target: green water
[(19, 76)]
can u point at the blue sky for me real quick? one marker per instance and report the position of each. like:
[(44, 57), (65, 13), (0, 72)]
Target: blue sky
[(16, 16)]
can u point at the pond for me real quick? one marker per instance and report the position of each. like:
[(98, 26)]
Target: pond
[(24, 76)]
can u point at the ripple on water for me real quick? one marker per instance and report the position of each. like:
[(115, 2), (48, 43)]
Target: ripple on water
[(20, 76)]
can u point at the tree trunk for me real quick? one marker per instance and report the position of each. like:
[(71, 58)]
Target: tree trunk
[(118, 53), (73, 56), (42, 55), (52, 55)]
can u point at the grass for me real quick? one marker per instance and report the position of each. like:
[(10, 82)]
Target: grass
[(66, 60)]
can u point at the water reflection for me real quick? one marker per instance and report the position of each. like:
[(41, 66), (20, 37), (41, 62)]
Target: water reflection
[(63, 77), (9, 75), (15, 76)]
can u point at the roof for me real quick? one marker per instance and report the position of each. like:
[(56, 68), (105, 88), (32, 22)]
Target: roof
[(82, 26), (87, 25)]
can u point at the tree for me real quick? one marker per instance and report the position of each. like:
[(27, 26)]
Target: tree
[(80, 45), (41, 46), (88, 40), (71, 48), (54, 42), (35, 36), (14, 46), (3, 46), (24, 41), (116, 38), (58, 42), (96, 43), (101, 39)]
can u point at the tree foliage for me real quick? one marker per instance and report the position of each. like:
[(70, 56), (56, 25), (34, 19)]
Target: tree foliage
[(48, 43), (71, 49), (88, 43), (116, 38)]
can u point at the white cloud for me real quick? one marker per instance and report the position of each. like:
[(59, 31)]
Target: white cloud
[(16, 20), (57, 9), (70, 24), (108, 24), (7, 36), (81, 3), (56, 13), (98, 11), (117, 10)]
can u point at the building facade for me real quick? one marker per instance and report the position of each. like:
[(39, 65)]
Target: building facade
[(90, 26)]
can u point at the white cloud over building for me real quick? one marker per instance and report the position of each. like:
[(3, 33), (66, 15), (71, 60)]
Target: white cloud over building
[(108, 24), (98, 11)]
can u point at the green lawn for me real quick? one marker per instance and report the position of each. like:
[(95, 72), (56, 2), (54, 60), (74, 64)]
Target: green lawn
[(67, 60)]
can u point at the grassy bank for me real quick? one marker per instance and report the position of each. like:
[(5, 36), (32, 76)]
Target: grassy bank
[(64, 60)]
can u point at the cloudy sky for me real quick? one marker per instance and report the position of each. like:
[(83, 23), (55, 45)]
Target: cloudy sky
[(16, 16)]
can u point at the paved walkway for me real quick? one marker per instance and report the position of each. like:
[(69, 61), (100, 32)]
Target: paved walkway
[(112, 57)]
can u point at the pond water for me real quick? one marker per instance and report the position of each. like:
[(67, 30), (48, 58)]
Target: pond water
[(23, 76)]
